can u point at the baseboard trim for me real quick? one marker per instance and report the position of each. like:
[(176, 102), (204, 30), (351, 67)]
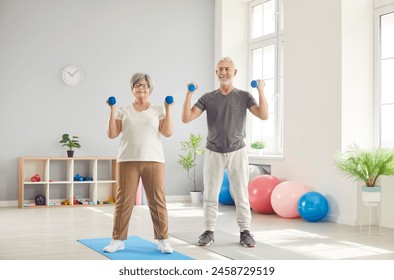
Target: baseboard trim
[(186, 198), (9, 203), (341, 220), (170, 198)]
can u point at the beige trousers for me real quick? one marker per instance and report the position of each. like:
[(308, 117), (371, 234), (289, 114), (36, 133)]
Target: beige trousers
[(128, 176)]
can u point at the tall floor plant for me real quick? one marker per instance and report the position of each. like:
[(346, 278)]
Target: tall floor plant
[(192, 148)]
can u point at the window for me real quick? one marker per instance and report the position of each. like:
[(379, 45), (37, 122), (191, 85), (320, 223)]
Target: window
[(384, 53), (266, 63)]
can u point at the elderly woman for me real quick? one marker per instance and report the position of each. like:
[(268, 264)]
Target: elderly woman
[(140, 125)]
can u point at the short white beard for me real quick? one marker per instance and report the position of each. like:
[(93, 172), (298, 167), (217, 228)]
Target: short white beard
[(226, 82)]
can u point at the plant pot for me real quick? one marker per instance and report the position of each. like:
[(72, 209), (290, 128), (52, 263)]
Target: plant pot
[(260, 152), (195, 196), (70, 153), (257, 152), (371, 194)]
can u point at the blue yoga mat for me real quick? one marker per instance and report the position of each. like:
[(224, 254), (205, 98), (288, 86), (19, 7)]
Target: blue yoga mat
[(136, 249)]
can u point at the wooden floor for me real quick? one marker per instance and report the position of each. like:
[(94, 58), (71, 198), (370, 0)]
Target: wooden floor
[(52, 234)]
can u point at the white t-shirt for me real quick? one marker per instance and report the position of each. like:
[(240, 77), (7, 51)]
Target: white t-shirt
[(140, 137)]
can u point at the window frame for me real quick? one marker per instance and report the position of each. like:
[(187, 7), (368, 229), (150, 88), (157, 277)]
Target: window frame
[(381, 8), (277, 39)]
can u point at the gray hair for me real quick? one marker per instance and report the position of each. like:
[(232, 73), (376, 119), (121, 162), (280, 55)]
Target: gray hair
[(138, 77), (227, 59)]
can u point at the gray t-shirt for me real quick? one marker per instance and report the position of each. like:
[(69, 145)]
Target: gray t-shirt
[(226, 118)]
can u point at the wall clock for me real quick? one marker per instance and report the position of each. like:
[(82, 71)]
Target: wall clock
[(72, 75)]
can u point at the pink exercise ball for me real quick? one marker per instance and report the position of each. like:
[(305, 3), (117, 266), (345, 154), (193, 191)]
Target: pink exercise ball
[(284, 199), (260, 189)]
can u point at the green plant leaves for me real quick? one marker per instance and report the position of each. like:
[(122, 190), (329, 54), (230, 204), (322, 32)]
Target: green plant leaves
[(71, 143), (366, 165), (257, 145), (192, 148)]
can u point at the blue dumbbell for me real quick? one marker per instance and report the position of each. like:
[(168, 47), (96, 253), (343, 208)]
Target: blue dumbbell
[(78, 177), (112, 100), (169, 99), (191, 87), (255, 83)]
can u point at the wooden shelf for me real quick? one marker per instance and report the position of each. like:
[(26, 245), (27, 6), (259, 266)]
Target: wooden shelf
[(57, 180)]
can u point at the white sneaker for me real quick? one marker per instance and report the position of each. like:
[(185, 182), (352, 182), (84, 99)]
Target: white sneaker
[(164, 247), (114, 246)]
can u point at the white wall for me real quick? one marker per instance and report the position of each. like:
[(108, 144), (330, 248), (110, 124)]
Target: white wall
[(328, 85), (231, 21), (357, 81), (172, 40), (312, 103)]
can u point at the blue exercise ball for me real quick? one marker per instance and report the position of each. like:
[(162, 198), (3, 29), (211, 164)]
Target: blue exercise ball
[(225, 195), (313, 206)]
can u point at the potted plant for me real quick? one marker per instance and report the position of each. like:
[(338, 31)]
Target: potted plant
[(367, 166), (71, 143), (192, 148), (258, 146)]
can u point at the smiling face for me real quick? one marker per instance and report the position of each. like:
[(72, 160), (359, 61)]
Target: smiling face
[(225, 72), (142, 86), (141, 89)]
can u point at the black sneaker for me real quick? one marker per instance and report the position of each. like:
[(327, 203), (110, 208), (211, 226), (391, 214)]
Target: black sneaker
[(247, 239), (206, 238)]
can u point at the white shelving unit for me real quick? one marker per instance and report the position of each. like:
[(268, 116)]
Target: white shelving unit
[(57, 183)]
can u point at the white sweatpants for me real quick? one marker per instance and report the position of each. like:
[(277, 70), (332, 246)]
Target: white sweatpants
[(237, 165)]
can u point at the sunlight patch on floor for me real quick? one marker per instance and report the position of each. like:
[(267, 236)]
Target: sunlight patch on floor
[(347, 252), (285, 236), (177, 206), (316, 245), (93, 209), (184, 213)]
